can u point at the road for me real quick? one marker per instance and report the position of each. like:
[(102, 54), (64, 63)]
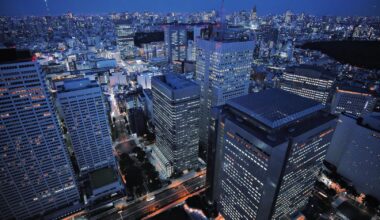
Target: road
[(164, 199)]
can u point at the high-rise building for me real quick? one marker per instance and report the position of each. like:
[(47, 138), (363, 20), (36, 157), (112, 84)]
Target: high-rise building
[(254, 13), (309, 81), (355, 152), (125, 41), (36, 174), (84, 112), (137, 121), (268, 153), (356, 101), (223, 67), (191, 50), (176, 119), (288, 17), (153, 50), (176, 42)]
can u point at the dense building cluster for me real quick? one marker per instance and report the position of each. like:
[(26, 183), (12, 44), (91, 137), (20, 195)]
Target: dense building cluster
[(105, 114)]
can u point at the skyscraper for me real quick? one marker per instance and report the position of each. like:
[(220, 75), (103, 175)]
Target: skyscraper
[(254, 13), (355, 152), (309, 81), (36, 175), (269, 153), (175, 42), (223, 68), (176, 119), (85, 116), (125, 41), (353, 100), (288, 17)]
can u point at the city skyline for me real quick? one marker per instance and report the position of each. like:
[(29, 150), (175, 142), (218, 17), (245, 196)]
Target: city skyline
[(87, 7), (215, 113)]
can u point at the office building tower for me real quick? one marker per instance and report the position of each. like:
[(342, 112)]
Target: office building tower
[(175, 42), (288, 17), (197, 32), (84, 112), (267, 34), (144, 79), (254, 13), (268, 153), (36, 174), (125, 42), (137, 121), (191, 51), (223, 67), (309, 81), (355, 101), (153, 50), (355, 152), (176, 119)]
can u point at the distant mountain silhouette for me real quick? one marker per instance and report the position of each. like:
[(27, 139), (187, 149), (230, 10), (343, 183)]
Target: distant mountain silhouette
[(365, 54)]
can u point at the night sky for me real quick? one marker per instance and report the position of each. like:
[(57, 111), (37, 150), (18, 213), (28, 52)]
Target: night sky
[(264, 7)]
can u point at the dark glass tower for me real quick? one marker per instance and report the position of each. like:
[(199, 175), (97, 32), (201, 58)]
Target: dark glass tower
[(268, 149)]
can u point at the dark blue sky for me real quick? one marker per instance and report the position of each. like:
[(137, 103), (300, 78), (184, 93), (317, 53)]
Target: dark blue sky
[(317, 7)]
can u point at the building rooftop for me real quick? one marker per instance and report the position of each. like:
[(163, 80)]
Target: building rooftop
[(102, 177), (355, 89), (11, 55), (76, 84), (221, 32), (275, 107), (312, 71), (175, 81), (175, 86)]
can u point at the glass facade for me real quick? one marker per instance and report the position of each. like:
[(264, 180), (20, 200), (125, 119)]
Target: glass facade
[(268, 172), (176, 43), (125, 41), (222, 70), (35, 170), (176, 119)]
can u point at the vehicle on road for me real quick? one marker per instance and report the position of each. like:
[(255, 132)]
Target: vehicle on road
[(150, 198)]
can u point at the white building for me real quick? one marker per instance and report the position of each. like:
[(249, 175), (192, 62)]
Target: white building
[(144, 79), (86, 119)]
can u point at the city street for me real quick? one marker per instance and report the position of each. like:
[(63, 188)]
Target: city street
[(158, 201)]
